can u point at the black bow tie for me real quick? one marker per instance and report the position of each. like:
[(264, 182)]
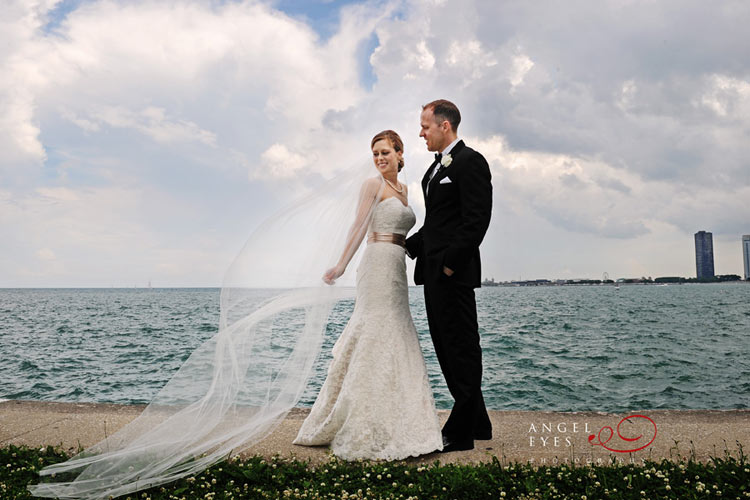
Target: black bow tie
[(438, 157)]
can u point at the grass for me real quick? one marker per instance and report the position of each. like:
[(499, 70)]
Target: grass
[(727, 477)]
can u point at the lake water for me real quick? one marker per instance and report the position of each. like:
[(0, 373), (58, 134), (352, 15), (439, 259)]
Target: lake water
[(545, 348)]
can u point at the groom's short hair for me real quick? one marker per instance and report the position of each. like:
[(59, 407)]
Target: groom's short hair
[(444, 110)]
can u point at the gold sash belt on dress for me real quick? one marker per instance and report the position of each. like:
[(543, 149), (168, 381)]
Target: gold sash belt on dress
[(396, 239)]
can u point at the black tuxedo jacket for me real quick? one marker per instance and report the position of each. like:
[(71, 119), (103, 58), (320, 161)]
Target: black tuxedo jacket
[(457, 215)]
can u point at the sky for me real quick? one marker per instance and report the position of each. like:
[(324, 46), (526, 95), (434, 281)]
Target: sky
[(143, 141)]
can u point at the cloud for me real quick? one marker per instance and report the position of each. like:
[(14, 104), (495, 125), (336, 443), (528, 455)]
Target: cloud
[(278, 162), (521, 66), (728, 98), (89, 236), (126, 111), (565, 190), (620, 124), (45, 254), (19, 139), (177, 73), (151, 121), (151, 136)]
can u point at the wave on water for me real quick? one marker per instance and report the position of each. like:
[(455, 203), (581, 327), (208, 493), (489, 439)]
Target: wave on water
[(544, 348)]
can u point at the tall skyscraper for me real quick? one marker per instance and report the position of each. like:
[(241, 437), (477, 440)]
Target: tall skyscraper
[(746, 254), (704, 254)]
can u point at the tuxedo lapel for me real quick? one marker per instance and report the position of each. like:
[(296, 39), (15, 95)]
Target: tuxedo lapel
[(457, 150), (426, 179), (436, 178), (442, 171)]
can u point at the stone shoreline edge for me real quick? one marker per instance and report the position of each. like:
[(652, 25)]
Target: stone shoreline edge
[(536, 437)]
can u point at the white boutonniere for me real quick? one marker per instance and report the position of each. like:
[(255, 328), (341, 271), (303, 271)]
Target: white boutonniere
[(446, 160)]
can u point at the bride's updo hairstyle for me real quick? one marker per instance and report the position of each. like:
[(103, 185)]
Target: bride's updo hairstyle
[(395, 141)]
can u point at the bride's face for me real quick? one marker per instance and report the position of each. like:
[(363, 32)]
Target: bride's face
[(385, 157)]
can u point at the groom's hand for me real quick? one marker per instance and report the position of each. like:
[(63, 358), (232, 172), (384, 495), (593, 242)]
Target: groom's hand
[(448, 271)]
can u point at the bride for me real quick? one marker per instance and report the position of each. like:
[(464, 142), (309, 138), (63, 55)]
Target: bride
[(376, 402), (237, 386)]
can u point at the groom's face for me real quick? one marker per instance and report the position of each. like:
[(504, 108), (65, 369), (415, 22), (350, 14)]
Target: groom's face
[(433, 133)]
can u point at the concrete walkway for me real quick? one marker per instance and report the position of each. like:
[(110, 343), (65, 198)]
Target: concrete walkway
[(542, 438)]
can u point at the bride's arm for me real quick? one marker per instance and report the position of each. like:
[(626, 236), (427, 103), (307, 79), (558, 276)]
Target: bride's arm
[(368, 197)]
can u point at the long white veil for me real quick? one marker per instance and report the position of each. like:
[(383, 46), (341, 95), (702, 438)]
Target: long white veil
[(236, 387)]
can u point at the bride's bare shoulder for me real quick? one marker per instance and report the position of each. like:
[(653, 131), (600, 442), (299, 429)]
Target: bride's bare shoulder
[(371, 186)]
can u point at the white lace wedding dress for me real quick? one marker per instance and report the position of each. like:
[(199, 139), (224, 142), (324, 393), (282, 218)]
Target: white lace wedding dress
[(376, 402)]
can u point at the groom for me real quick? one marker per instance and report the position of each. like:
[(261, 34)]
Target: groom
[(458, 202)]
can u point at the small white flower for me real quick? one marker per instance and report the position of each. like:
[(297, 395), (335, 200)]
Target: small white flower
[(446, 160)]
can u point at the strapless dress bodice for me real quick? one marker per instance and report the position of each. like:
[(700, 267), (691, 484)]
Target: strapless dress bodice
[(391, 216)]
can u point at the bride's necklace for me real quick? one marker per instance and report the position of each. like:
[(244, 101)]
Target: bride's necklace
[(399, 191)]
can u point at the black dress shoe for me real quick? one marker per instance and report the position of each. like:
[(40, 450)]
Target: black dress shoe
[(462, 445)]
